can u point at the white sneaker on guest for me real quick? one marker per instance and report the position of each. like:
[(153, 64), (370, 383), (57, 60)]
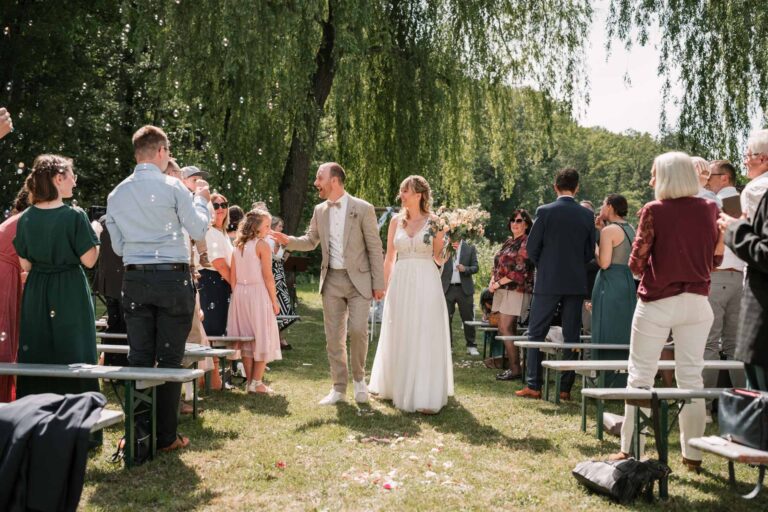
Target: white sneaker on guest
[(472, 351), (361, 392), (332, 398)]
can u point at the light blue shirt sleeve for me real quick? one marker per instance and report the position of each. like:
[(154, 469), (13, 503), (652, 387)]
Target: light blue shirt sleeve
[(115, 235), (193, 213)]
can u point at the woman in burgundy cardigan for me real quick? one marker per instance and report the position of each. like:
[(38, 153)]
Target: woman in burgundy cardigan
[(676, 247)]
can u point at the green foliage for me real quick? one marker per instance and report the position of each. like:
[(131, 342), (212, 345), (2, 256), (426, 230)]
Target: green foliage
[(486, 251), (718, 50)]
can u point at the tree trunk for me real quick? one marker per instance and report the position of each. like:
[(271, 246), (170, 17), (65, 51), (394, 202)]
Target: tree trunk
[(293, 186)]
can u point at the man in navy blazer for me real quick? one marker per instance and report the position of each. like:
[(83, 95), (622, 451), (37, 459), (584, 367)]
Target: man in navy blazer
[(560, 244)]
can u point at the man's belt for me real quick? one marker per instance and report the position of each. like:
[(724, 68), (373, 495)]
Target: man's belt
[(177, 267)]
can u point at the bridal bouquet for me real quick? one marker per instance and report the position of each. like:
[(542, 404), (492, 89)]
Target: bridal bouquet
[(466, 224)]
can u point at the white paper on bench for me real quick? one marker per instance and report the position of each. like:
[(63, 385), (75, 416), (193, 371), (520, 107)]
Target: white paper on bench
[(730, 450)]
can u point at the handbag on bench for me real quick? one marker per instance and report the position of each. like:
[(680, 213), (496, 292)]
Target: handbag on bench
[(743, 417)]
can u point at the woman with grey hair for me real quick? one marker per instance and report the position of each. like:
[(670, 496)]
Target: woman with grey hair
[(680, 232)]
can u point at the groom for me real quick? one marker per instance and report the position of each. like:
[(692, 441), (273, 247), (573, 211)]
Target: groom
[(351, 273)]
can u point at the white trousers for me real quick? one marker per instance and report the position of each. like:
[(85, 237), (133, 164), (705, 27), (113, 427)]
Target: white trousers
[(689, 317)]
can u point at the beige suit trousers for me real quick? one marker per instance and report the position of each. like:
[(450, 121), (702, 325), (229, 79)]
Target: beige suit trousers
[(344, 309)]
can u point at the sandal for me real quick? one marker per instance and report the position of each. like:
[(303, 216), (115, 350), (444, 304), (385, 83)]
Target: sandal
[(179, 443), (508, 375)]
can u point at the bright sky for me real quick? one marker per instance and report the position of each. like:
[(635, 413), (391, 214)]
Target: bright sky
[(614, 103)]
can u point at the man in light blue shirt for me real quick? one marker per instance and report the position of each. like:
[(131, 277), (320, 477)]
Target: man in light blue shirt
[(145, 217)]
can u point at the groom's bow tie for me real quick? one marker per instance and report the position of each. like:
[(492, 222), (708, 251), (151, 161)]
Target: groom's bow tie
[(334, 204)]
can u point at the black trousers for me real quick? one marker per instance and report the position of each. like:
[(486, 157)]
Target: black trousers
[(158, 308), (543, 309), (456, 296)]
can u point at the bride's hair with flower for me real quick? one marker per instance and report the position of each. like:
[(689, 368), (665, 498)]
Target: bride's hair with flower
[(418, 185), (249, 227)]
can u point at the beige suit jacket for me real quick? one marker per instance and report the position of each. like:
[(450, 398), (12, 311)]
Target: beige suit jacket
[(363, 253)]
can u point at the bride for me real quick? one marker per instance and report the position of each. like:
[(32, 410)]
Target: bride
[(413, 366)]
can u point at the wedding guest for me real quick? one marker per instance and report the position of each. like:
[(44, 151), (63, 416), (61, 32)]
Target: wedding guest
[(197, 333), (254, 299), (677, 245), (560, 244), (756, 162), (54, 241), (6, 123), (109, 283), (236, 215), (614, 295), (727, 281), (145, 215), (215, 282), (592, 269), (459, 289), (10, 294), (703, 173), (748, 239), (279, 254), (190, 175), (511, 283)]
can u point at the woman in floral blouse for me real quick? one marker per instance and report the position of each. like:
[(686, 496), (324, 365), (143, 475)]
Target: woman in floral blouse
[(511, 282)]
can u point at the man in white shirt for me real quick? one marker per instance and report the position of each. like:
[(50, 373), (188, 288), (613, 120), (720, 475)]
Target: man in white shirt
[(756, 162), (727, 281), (459, 289)]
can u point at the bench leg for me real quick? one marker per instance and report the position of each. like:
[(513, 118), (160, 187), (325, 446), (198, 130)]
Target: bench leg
[(129, 423), (758, 487), (583, 404), (194, 393), (636, 435), (600, 406), (663, 450), (153, 422)]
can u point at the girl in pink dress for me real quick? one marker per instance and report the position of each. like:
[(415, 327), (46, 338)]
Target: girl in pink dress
[(254, 300)]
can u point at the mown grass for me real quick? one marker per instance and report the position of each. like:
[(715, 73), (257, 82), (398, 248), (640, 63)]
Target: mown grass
[(486, 451)]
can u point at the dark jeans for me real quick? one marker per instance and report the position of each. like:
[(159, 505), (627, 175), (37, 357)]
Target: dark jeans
[(757, 376), (543, 308), (455, 295), (158, 309)]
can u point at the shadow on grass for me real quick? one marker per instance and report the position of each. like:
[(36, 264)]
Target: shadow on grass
[(149, 487), (456, 419)]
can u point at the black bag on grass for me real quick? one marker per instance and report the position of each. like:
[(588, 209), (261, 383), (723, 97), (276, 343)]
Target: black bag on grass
[(621, 480)]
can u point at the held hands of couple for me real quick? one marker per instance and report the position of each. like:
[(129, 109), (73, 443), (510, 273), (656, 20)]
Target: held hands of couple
[(379, 294)]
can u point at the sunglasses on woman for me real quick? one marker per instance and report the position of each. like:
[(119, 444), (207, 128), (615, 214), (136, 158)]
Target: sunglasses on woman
[(223, 206), (518, 221)]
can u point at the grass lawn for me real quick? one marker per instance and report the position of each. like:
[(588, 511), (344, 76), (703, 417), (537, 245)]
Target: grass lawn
[(487, 450)]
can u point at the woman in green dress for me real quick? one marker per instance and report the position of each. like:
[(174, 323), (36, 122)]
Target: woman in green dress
[(614, 295), (54, 241)]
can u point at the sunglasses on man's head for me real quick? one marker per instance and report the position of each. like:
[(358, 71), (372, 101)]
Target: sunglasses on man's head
[(216, 206)]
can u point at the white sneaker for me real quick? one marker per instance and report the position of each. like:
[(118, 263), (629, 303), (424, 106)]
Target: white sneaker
[(251, 388), (472, 351), (332, 398), (361, 392)]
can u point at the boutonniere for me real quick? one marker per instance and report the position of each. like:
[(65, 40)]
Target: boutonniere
[(353, 214)]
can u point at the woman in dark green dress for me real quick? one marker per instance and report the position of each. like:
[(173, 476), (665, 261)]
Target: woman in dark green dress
[(614, 295), (53, 241)]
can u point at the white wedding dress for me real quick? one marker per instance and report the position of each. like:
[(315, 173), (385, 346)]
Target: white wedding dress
[(413, 365)]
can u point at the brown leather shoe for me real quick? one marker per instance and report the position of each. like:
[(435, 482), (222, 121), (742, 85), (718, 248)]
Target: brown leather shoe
[(527, 392), (179, 443), (692, 465), (565, 396)]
